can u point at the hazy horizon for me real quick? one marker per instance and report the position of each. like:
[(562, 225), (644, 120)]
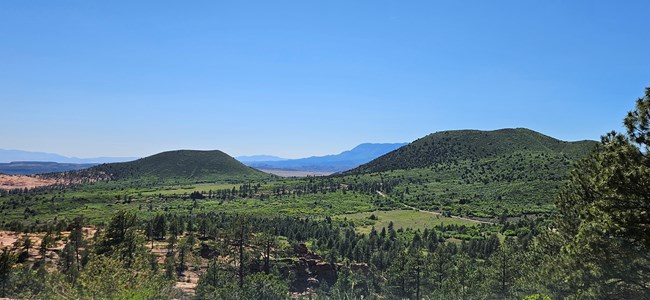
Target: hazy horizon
[(88, 79), (235, 156), (252, 154)]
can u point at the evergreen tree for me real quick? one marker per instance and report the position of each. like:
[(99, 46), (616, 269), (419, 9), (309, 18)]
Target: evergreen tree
[(604, 215), (25, 244), (121, 238), (440, 262), (116, 232), (397, 278), (68, 263), (159, 226), (106, 278), (76, 238), (45, 244), (217, 282), (464, 277), (267, 242), (261, 286), (150, 231), (183, 250), (170, 263), (6, 263), (504, 270)]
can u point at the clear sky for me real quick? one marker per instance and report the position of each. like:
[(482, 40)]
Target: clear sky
[(300, 78)]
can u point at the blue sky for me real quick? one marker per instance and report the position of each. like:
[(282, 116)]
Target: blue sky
[(301, 78)]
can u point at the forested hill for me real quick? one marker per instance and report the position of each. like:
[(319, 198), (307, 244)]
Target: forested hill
[(452, 146), (191, 165)]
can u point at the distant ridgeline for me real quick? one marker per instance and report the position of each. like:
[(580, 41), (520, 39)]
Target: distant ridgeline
[(40, 167), (180, 166), (478, 173), (343, 161)]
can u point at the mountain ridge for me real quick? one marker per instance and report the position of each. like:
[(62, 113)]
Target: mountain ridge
[(256, 158), (12, 155), (345, 160), (40, 167)]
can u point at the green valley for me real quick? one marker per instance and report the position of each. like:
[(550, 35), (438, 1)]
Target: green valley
[(464, 207)]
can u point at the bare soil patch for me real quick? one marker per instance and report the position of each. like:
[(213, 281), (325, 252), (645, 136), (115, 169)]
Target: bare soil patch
[(8, 238), (10, 182)]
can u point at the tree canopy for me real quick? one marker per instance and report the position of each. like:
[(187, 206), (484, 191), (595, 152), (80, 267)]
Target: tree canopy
[(604, 212)]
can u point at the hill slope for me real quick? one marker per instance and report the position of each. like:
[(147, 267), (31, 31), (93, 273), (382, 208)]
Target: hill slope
[(180, 165), (346, 160), (475, 173), (451, 146)]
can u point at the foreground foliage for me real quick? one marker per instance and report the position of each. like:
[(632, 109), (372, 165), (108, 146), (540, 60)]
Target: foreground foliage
[(604, 221)]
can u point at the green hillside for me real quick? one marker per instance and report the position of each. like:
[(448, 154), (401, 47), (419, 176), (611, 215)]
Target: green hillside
[(475, 173), (453, 146), (181, 165)]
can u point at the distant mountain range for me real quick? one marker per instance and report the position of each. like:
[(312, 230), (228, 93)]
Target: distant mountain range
[(257, 158), (7, 156), (343, 161), (27, 162), (39, 167)]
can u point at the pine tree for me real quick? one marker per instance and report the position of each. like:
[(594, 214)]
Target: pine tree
[(604, 214), (45, 244), (68, 263), (503, 272), (6, 263), (76, 238), (159, 226), (440, 265)]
